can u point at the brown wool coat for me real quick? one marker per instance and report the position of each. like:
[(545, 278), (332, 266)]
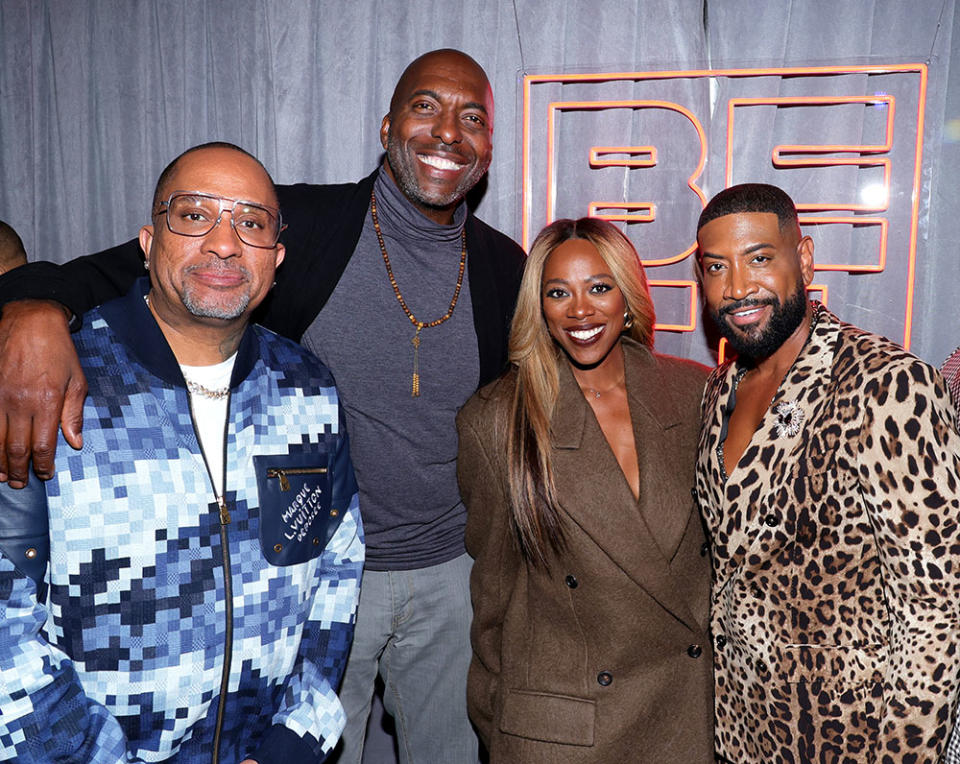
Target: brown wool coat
[(605, 657)]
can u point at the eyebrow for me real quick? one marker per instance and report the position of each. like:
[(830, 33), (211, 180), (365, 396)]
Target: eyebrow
[(748, 251), (594, 277), (436, 97)]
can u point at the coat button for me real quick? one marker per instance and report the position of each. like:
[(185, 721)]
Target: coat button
[(571, 581), (704, 549), (721, 641), (694, 651), (604, 678), (772, 520), (761, 667)]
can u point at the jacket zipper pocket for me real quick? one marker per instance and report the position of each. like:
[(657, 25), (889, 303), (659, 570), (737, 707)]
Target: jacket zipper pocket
[(277, 472)]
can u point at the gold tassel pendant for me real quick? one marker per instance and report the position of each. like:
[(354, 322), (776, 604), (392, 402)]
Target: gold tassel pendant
[(415, 392), (416, 361)]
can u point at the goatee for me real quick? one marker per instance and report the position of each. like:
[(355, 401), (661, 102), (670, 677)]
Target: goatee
[(762, 343)]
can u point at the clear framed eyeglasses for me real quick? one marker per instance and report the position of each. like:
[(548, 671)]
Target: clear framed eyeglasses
[(194, 213)]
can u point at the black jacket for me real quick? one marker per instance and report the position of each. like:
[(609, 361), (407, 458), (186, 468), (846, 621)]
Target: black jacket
[(324, 225)]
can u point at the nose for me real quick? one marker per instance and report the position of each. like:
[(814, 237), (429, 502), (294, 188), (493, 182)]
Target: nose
[(580, 306), (447, 127), (738, 284), (223, 240)]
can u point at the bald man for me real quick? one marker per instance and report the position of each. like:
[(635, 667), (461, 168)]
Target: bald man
[(407, 298)]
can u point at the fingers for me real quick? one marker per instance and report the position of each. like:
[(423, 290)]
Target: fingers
[(28, 435), (71, 419), (3, 453), (39, 441), (40, 383), (15, 455), (35, 437)]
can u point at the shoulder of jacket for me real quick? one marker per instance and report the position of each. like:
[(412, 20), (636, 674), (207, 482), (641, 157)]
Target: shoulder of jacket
[(866, 355), (502, 243), (297, 363), (489, 399)]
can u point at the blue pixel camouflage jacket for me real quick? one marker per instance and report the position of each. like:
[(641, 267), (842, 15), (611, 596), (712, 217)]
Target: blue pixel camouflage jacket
[(168, 627)]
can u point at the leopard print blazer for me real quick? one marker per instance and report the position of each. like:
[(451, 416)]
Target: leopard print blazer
[(835, 609)]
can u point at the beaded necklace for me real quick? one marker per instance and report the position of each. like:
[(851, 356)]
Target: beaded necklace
[(415, 392)]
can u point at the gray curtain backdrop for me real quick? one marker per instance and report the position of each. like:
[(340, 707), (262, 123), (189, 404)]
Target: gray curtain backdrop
[(97, 96)]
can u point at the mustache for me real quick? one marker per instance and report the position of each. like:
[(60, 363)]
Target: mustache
[(749, 302), (219, 266)]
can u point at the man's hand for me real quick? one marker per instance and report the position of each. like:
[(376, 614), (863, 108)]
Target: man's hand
[(41, 386)]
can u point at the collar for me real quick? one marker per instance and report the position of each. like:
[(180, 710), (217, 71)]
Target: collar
[(816, 352), (398, 215), (133, 323), (647, 391)]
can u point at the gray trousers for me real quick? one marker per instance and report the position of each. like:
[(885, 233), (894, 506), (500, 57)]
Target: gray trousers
[(413, 628)]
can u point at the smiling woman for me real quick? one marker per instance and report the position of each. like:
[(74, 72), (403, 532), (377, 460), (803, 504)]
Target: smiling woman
[(584, 309), (589, 586)]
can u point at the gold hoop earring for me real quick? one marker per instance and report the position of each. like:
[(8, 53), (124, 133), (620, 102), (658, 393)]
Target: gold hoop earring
[(627, 320)]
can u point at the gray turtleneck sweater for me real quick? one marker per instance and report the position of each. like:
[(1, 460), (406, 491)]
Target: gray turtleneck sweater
[(403, 448)]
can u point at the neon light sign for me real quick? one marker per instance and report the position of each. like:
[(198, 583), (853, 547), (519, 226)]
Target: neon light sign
[(581, 153)]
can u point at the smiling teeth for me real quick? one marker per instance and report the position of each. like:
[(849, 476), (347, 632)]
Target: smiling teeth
[(585, 334), (439, 162)]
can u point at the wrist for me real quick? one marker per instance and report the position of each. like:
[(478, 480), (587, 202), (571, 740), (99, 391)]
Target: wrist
[(51, 308)]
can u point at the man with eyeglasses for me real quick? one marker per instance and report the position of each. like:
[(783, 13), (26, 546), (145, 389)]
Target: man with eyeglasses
[(184, 586), (407, 297)]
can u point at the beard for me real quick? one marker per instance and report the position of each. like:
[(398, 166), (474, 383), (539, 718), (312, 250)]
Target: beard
[(227, 305), (402, 159), (763, 342)]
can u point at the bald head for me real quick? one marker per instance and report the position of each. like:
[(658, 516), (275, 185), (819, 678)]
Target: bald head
[(444, 59), (163, 186), (12, 253)]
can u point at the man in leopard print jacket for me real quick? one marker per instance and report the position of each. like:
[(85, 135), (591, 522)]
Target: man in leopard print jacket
[(829, 481)]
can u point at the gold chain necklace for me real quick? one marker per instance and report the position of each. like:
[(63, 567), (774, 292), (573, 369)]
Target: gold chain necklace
[(195, 387), (216, 395), (614, 386), (415, 392)]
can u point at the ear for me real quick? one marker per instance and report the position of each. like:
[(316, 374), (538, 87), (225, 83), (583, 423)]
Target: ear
[(805, 253), (146, 241), (281, 253), (384, 130)]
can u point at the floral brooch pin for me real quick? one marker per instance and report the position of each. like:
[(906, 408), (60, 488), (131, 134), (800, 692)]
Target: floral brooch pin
[(789, 419)]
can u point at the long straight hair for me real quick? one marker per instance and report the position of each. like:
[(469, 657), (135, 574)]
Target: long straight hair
[(534, 507)]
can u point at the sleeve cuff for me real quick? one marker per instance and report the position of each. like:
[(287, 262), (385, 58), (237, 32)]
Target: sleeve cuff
[(280, 745)]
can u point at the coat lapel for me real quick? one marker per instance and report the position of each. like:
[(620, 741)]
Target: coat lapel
[(654, 414), (594, 493), (776, 451)]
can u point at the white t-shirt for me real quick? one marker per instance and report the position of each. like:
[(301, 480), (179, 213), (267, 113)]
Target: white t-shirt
[(210, 414)]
